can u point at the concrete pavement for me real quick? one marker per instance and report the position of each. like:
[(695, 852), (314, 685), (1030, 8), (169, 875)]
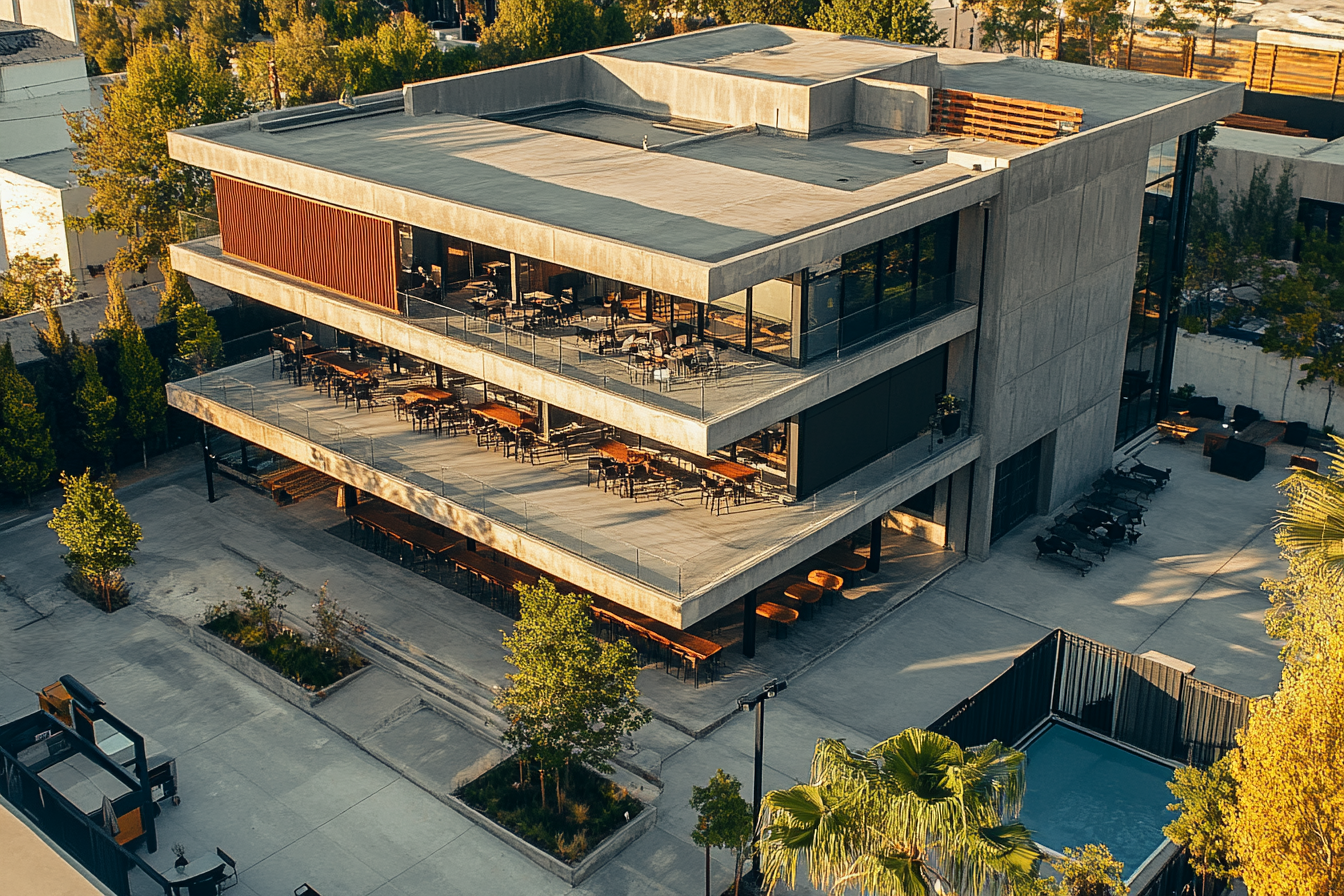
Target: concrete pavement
[(299, 797)]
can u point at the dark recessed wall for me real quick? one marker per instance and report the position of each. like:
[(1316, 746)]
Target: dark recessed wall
[(840, 435)]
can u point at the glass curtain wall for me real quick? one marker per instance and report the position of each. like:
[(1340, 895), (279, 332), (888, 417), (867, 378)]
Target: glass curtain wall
[(1155, 305), (881, 286)]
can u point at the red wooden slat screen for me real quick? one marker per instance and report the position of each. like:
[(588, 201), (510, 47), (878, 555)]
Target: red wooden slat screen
[(349, 252)]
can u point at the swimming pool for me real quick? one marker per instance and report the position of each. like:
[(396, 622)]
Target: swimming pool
[(1082, 789)]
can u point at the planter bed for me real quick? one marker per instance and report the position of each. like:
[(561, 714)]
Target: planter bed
[(594, 809)]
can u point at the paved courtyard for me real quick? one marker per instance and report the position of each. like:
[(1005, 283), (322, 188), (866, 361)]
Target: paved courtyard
[(344, 798)]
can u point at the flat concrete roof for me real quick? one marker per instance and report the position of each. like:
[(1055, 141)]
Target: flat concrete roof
[(705, 202), (702, 217), (770, 53), (50, 168)]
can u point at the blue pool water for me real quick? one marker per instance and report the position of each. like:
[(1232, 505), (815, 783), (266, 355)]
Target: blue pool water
[(1081, 789)]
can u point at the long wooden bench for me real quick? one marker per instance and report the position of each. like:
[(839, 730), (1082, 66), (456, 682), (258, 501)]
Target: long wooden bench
[(296, 483), (690, 649)]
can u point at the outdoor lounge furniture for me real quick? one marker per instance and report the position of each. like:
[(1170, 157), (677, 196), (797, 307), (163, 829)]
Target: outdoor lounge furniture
[(1302, 462), (231, 876), (1238, 459), (807, 594), (1176, 430), (1296, 434), (1085, 541), (1057, 550), (1124, 482), (1208, 408), (1159, 477), (1242, 417)]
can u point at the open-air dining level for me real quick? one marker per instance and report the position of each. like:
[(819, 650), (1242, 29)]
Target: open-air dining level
[(669, 553)]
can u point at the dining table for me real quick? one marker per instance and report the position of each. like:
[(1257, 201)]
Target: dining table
[(409, 532), (426, 393), (736, 473), (503, 414), (621, 452), (343, 364)]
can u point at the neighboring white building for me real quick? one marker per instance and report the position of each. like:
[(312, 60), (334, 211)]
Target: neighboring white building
[(43, 76)]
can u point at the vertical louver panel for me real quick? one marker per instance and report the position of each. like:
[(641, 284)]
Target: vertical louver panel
[(344, 250)]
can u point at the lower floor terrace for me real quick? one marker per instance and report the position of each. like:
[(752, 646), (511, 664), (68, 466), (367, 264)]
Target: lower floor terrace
[(671, 535)]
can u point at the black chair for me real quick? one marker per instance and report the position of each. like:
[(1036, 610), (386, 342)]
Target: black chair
[(305, 890), (230, 876), (1296, 434), (595, 466), (1061, 551), (1208, 408), (1243, 417)]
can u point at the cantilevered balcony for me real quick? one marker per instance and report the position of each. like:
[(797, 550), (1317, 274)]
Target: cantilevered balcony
[(696, 412), (670, 558)]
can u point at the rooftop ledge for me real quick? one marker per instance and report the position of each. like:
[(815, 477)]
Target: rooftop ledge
[(700, 417), (688, 562)]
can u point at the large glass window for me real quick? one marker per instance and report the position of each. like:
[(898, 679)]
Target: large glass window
[(883, 285), (1154, 308)]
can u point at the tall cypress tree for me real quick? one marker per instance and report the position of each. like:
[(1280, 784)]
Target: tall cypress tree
[(96, 407), (26, 456), (139, 374), (57, 382)]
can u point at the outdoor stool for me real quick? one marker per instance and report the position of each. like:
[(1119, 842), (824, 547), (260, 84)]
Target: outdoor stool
[(807, 594), (1303, 462), (828, 582)]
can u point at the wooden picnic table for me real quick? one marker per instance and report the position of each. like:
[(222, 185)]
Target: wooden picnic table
[(407, 531), (300, 345), (691, 648), (491, 570), (733, 472), (426, 393), (502, 413), (620, 452), (342, 364)]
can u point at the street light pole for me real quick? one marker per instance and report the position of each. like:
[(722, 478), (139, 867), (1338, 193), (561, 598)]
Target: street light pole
[(956, 9), (746, 703)]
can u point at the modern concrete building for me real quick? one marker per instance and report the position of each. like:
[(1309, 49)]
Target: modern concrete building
[(847, 229)]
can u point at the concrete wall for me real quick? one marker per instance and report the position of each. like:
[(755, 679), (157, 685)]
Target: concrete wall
[(500, 90), (1236, 373), (32, 98), (891, 106), (1063, 241), (32, 217), (1239, 153)]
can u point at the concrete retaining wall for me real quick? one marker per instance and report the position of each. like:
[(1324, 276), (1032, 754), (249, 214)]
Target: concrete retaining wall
[(1239, 373)]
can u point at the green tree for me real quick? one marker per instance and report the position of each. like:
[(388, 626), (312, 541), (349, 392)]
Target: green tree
[(97, 409), (306, 65), (26, 456), (792, 13), (1261, 220), (1312, 525), (400, 52), (1010, 25), (98, 532), (162, 20), (121, 149), (1204, 799), (903, 21), (572, 698), (1091, 871), (57, 382), (105, 34), (214, 26), (348, 19), (1166, 17), (914, 813), (613, 25), (537, 29), (175, 295), (1211, 265), (1288, 821), (1213, 10), (33, 281), (118, 317), (1305, 310), (198, 340), (723, 822), (1101, 21)]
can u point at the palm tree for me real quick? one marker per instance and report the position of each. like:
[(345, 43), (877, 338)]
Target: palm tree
[(1313, 522), (916, 814)]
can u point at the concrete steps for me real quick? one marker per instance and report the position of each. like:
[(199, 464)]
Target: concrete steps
[(461, 697)]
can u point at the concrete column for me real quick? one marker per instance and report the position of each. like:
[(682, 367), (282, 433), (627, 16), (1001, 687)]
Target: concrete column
[(513, 276), (956, 512), (981, 510), (875, 545), (349, 498), (749, 624), (438, 376)]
